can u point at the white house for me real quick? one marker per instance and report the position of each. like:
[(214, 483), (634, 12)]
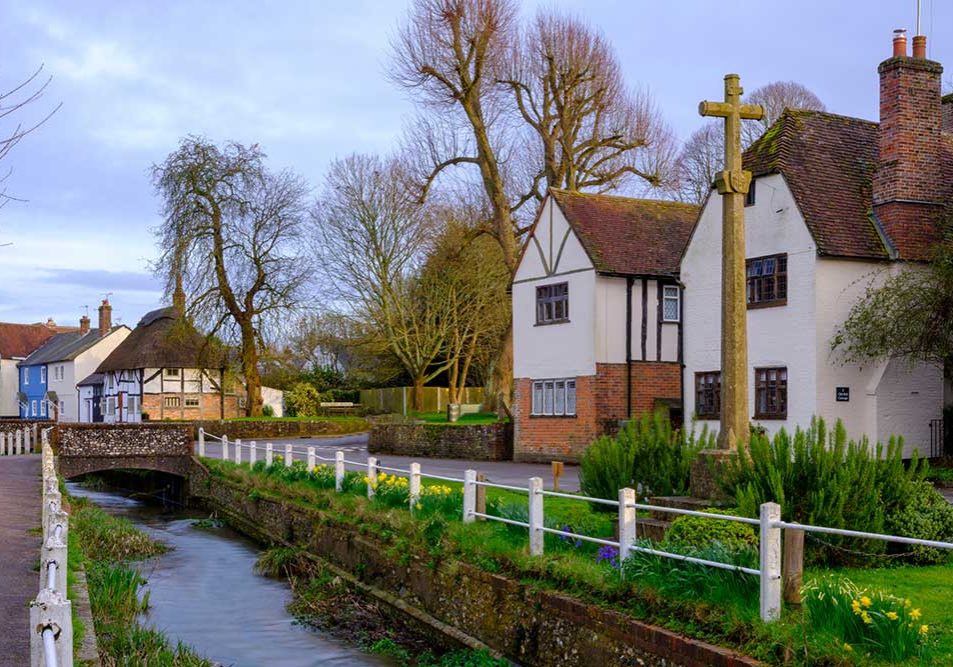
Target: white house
[(597, 319), (836, 204)]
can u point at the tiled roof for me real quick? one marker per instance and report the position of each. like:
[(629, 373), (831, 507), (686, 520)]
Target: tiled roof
[(65, 346), (91, 380), (163, 339), (18, 341), (629, 236), (828, 161)]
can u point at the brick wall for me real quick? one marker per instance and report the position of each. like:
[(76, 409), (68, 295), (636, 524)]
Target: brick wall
[(600, 405), (209, 407), (487, 442)]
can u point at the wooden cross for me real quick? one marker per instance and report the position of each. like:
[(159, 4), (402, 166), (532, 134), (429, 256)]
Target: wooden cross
[(732, 184)]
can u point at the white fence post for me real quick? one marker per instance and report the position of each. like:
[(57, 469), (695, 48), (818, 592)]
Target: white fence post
[(535, 516), (28, 442), (201, 441), (51, 610), (252, 451), (339, 471), (224, 447), (238, 451), (3, 444), (54, 551), (627, 519), (18, 438), (770, 562), (371, 475), (414, 486), (269, 454), (289, 456), (310, 459), (469, 496)]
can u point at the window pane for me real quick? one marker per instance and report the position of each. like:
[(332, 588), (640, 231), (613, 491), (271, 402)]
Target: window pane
[(570, 397), (537, 398), (548, 398), (670, 307), (767, 266), (560, 407)]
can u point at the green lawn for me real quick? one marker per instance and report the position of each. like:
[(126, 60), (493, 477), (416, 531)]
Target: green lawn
[(328, 418), (473, 419)]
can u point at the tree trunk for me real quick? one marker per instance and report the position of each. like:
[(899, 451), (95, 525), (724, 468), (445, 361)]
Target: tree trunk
[(499, 389), (253, 402), (417, 399)]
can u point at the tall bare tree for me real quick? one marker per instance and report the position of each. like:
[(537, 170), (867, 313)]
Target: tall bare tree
[(232, 235), (702, 155)]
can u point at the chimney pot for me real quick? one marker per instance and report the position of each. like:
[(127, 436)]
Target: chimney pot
[(899, 43), (105, 317), (920, 47), (84, 325), (51, 323)]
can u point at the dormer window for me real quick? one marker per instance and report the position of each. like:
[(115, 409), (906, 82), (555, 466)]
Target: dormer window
[(552, 303), (671, 303)]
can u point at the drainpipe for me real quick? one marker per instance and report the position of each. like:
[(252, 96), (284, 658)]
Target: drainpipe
[(628, 346)]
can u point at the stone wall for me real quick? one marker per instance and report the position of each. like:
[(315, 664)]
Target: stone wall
[(13, 425), (526, 624), (278, 428), (488, 442), (85, 448)]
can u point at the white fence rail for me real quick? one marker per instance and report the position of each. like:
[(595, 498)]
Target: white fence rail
[(769, 522), (51, 621), (19, 441)]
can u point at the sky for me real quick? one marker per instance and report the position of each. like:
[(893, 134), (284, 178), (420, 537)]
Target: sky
[(306, 80)]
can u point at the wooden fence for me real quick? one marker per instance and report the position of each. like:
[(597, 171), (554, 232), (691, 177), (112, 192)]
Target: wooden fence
[(400, 399)]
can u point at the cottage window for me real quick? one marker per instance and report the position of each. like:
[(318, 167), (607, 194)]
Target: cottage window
[(767, 281), (132, 405), (191, 402), (62, 408), (33, 408), (552, 303), (671, 303), (172, 372), (771, 393), (708, 395), (554, 398), (750, 195), (42, 374), (42, 408), (26, 376), (172, 401)]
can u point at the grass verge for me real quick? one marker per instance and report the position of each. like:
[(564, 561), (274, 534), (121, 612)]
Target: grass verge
[(472, 419)]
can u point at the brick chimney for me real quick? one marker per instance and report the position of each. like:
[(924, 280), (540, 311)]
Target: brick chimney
[(84, 325), (105, 317), (907, 186), (947, 113), (50, 323)]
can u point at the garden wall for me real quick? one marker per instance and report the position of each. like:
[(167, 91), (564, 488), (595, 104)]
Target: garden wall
[(487, 442), (278, 428), (528, 625), (13, 425)]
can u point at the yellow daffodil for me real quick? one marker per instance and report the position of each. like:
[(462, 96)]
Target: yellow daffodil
[(865, 601), (924, 629), (865, 617), (855, 606), (892, 615), (915, 614), (848, 648)]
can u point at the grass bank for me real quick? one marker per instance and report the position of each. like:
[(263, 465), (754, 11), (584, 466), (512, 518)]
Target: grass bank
[(472, 419), (105, 545), (723, 613)]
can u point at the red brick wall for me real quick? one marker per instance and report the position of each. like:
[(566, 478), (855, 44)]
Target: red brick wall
[(209, 407), (600, 404)]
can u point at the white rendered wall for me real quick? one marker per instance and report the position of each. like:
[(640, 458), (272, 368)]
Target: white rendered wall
[(908, 397), (80, 368), (9, 386), (554, 255), (777, 336)]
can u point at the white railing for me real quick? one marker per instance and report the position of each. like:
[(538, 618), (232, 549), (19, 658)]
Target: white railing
[(769, 522), (51, 621), (19, 441)]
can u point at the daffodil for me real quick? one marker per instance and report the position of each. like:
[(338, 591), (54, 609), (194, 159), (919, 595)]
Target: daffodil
[(924, 629), (848, 648), (865, 601), (855, 606), (915, 614), (892, 615), (865, 617)]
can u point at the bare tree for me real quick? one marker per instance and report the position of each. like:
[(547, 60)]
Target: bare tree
[(594, 132), (232, 235), (13, 103), (702, 155)]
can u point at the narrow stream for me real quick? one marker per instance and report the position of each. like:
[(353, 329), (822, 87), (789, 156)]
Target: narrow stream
[(205, 593)]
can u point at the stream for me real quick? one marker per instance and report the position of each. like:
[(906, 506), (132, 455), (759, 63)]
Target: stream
[(205, 593)]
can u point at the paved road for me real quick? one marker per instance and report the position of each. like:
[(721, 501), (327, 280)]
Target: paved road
[(355, 449), (19, 549)]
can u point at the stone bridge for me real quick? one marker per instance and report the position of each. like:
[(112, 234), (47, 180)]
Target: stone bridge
[(86, 448)]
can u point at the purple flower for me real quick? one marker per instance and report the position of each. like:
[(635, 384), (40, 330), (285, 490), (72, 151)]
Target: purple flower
[(565, 538), (608, 554)]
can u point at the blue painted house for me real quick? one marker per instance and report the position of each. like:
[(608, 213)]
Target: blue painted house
[(33, 388)]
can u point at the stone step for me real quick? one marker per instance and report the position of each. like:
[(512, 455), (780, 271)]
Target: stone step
[(651, 528), (682, 503)]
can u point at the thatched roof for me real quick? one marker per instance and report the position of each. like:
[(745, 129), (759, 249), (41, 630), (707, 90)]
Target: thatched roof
[(163, 339)]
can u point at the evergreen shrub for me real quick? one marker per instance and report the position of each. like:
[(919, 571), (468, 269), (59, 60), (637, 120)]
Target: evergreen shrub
[(696, 532)]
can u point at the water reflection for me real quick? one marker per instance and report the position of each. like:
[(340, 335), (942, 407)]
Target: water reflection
[(205, 593)]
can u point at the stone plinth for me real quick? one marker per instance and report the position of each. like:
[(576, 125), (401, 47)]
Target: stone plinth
[(703, 482)]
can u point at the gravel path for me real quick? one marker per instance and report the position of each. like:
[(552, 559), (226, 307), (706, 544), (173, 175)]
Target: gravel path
[(19, 550)]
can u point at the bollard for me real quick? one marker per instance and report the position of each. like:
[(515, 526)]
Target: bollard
[(269, 454), (371, 475), (414, 486), (224, 447), (34, 432), (535, 516), (18, 440), (252, 451), (51, 610), (770, 562), (627, 519), (3, 444), (201, 441), (339, 471), (289, 456), (27, 439), (310, 459), (238, 451), (469, 496)]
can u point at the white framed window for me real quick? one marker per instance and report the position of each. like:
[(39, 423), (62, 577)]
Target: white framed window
[(191, 402), (556, 398), (171, 372), (42, 374), (33, 408), (26, 376), (172, 401), (42, 408), (62, 408), (111, 406), (671, 303), (59, 372), (132, 405)]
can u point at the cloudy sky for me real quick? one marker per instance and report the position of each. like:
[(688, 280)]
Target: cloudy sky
[(305, 79)]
